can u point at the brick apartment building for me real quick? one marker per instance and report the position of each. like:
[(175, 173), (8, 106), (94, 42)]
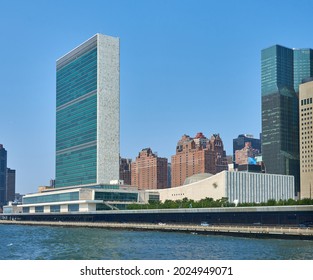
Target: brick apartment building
[(197, 155), (149, 171)]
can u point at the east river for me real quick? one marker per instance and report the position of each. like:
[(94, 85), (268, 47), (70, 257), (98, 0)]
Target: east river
[(20, 242)]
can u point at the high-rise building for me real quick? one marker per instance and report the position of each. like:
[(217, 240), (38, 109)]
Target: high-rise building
[(125, 170), (149, 171), (282, 69), (87, 113), (7, 179), (246, 154), (303, 66), (3, 174), (240, 142), (10, 186), (197, 155), (306, 138)]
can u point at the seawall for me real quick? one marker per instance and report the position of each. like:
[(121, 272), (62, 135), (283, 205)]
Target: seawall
[(279, 232)]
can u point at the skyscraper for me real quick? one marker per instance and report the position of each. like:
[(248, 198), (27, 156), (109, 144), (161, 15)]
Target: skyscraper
[(240, 142), (303, 66), (87, 113), (10, 185), (282, 69), (125, 170), (306, 138), (3, 174)]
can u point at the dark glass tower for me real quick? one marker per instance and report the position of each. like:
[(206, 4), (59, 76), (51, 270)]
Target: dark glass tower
[(282, 71), (3, 174)]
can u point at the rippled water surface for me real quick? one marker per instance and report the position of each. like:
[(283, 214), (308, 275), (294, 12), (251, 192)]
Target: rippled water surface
[(65, 243)]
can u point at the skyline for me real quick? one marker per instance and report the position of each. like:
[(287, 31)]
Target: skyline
[(178, 58)]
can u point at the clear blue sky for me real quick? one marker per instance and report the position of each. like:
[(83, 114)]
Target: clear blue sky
[(186, 67)]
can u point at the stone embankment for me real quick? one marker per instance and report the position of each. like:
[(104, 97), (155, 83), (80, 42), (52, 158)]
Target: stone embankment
[(233, 230)]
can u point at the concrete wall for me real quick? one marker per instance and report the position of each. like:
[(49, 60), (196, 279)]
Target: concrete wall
[(213, 187), (241, 186), (250, 187), (108, 109)]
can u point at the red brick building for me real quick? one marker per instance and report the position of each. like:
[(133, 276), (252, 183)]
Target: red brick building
[(149, 171), (197, 155)]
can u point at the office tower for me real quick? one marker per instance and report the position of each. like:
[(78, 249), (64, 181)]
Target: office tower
[(125, 170), (87, 113), (303, 66), (246, 155), (240, 142), (3, 174), (282, 69), (149, 171), (10, 185), (197, 155), (306, 138)]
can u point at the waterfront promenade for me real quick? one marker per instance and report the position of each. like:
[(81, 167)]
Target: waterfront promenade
[(233, 230)]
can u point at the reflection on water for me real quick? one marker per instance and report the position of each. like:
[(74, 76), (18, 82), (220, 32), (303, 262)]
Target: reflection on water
[(61, 243)]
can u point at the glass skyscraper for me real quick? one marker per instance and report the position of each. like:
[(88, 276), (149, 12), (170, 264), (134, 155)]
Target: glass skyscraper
[(281, 73), (303, 66), (87, 113), (3, 174)]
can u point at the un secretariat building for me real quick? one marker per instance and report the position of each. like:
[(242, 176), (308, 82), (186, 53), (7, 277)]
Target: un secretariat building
[(87, 135), (87, 113)]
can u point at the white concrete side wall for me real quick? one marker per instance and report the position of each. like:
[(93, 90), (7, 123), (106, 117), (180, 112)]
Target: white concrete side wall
[(85, 207), (250, 187), (213, 187), (108, 110), (63, 208), (242, 186)]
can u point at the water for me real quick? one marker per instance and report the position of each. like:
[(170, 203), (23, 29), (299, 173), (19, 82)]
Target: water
[(19, 242)]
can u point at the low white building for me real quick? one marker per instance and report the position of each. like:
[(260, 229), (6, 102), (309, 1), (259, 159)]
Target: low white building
[(244, 187), (88, 198)]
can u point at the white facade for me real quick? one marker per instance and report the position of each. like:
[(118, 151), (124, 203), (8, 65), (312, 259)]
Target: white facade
[(108, 138), (246, 187), (306, 136), (83, 199)]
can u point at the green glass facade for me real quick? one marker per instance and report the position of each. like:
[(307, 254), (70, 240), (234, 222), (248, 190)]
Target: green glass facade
[(116, 196), (303, 66), (70, 196), (87, 113), (282, 69), (76, 120)]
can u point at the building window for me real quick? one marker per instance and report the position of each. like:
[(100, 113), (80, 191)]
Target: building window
[(73, 207), (39, 209), (55, 208)]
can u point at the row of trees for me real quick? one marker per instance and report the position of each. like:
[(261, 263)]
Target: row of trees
[(210, 202)]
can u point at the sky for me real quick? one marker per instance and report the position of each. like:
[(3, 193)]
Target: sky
[(185, 67)]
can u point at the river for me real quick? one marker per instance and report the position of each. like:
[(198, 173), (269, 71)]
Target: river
[(20, 242)]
